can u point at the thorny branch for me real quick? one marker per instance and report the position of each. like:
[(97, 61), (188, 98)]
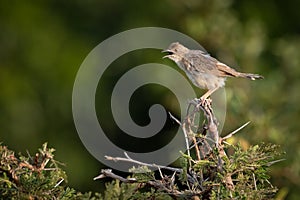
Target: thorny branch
[(212, 128), (204, 143), (128, 159)]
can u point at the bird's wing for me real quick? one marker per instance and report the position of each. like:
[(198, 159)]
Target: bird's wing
[(214, 66), (224, 70), (204, 63)]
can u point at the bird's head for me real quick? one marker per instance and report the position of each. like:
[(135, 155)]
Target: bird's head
[(175, 51)]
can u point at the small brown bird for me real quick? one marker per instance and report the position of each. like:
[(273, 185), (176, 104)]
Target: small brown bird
[(203, 70)]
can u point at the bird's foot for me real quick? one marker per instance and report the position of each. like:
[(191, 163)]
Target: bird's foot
[(203, 101)]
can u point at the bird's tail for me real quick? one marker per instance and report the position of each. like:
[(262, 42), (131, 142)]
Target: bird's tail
[(250, 76)]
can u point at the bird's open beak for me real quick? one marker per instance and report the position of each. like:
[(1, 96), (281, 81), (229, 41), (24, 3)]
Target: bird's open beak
[(169, 52)]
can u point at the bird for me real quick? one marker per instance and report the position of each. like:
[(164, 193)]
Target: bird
[(205, 71)]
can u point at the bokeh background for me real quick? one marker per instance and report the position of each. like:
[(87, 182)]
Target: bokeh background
[(42, 44)]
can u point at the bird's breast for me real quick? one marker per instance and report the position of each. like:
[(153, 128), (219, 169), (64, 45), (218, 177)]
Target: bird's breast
[(206, 81)]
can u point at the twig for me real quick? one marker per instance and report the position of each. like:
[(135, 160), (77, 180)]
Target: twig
[(128, 159), (187, 124), (212, 121), (204, 138), (235, 131), (59, 182), (254, 181), (185, 135), (205, 106), (275, 161), (109, 173), (174, 118), (160, 173), (159, 184), (212, 124), (196, 148)]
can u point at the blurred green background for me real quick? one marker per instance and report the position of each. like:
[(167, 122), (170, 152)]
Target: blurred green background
[(42, 45)]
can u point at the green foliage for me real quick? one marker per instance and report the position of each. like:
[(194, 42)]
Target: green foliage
[(34, 177), (248, 169), (40, 177), (122, 191), (142, 174), (116, 190)]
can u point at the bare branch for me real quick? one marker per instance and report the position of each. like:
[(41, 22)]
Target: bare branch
[(254, 181), (174, 118), (275, 161), (185, 136), (235, 131), (128, 159), (109, 173)]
